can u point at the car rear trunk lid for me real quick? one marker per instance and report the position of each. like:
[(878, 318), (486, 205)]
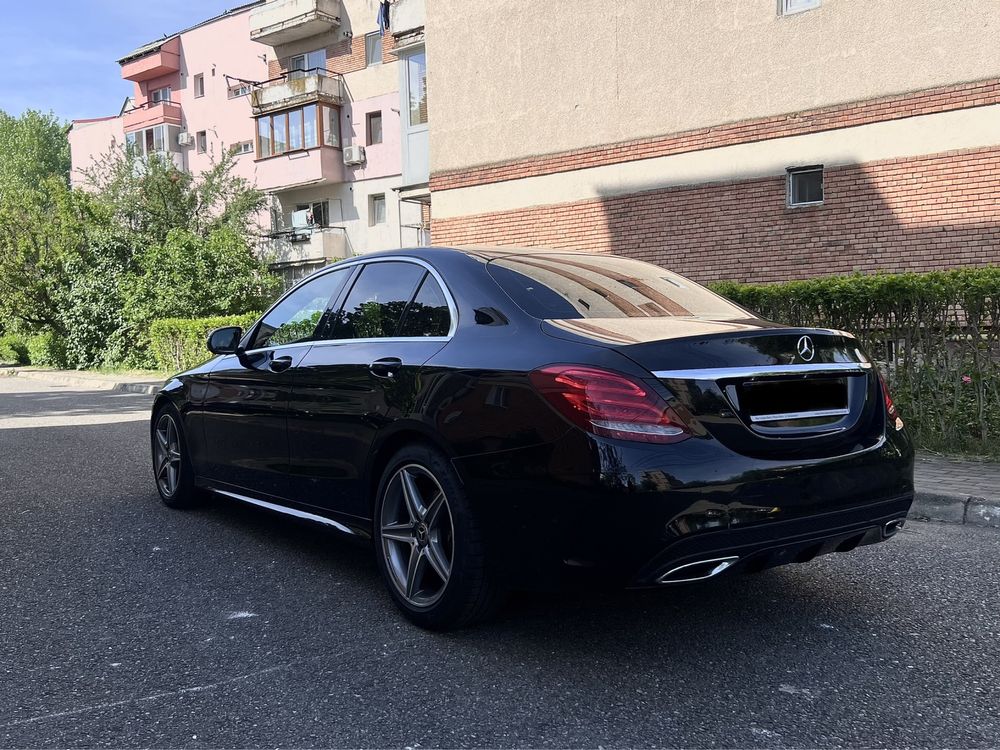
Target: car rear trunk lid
[(763, 390)]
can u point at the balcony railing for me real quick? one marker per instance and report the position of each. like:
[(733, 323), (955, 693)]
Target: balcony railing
[(152, 113), (284, 21), (297, 87), (300, 168), (306, 244)]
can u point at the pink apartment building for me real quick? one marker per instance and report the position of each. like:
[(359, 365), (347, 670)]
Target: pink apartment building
[(327, 116)]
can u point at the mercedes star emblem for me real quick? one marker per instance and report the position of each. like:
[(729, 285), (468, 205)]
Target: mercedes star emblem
[(806, 349)]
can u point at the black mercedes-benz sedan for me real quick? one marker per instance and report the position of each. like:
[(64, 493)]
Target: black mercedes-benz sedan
[(496, 418)]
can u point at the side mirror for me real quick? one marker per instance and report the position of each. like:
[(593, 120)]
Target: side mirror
[(225, 340)]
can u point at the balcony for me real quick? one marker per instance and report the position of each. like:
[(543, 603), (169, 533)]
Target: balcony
[(150, 114), (299, 169), (296, 89), (152, 61), (309, 244), (280, 22)]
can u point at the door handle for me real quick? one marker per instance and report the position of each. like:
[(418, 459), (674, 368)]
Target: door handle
[(280, 364), (386, 367)]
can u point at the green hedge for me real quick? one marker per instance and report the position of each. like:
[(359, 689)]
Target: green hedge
[(179, 343), (935, 335), (47, 350), (13, 350)]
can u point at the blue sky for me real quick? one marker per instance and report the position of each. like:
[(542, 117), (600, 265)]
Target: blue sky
[(60, 54)]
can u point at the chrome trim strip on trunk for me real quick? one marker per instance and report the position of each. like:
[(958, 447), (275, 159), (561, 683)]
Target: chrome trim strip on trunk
[(286, 510), (792, 415), (763, 371)]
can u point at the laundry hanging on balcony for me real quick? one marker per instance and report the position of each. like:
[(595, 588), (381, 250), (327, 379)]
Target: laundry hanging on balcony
[(383, 17)]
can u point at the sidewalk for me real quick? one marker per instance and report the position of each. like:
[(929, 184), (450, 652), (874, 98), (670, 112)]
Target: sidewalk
[(82, 379), (957, 491)]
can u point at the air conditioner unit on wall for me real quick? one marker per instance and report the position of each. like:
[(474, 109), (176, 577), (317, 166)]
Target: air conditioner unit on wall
[(354, 155), (184, 138)]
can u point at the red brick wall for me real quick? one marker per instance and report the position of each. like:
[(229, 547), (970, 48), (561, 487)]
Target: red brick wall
[(962, 96), (915, 214)]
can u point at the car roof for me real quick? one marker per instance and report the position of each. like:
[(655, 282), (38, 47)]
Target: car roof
[(483, 252)]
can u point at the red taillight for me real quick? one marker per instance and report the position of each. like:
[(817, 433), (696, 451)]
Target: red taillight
[(609, 404), (890, 407)]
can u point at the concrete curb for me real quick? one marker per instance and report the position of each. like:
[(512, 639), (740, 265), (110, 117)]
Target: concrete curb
[(82, 381), (964, 509)]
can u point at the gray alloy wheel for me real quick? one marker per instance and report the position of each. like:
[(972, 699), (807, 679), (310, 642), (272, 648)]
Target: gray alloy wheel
[(418, 536), (167, 455)]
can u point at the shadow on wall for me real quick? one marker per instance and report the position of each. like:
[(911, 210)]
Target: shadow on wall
[(917, 214)]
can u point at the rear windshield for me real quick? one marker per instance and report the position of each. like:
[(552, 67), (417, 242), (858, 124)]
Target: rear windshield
[(561, 286)]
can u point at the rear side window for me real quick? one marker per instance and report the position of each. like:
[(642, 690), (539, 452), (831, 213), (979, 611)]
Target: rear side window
[(376, 302), (428, 314), (564, 286)]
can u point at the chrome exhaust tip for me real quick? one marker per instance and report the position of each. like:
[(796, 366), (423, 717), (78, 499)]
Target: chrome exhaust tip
[(697, 571), (891, 527)]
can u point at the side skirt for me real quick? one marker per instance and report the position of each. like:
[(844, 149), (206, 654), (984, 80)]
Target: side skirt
[(351, 527)]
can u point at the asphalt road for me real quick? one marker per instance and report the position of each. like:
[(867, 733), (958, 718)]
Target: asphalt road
[(125, 624)]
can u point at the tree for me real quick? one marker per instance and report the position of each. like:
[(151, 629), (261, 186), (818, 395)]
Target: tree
[(33, 147), (96, 267), (42, 234), (190, 276), (151, 197)]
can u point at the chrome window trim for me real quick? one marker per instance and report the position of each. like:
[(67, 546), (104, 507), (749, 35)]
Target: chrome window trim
[(789, 416), (285, 509), (760, 371), (349, 265)]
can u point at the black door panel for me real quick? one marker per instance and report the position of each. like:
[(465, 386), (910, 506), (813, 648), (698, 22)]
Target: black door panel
[(336, 410), (349, 388), (245, 420)]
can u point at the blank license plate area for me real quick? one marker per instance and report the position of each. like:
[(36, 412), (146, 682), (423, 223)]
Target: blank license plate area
[(800, 402)]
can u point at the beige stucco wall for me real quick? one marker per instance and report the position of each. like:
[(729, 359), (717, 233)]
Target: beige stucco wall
[(511, 79)]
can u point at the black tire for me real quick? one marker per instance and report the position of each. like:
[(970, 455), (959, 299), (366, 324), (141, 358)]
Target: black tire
[(180, 492), (470, 593)]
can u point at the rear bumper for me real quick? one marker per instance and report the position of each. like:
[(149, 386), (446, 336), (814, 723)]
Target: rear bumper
[(751, 550), (588, 511)]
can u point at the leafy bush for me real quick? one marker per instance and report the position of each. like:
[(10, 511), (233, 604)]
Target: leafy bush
[(13, 350), (47, 350), (935, 335), (179, 343)]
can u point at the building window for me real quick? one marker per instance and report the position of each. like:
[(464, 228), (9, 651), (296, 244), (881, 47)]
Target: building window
[(160, 95), (790, 7), (376, 210), (373, 49), (416, 85), (331, 126), (243, 147), (199, 86), (374, 128), (242, 89), (154, 140), (298, 129), (318, 213), (309, 64), (805, 186), (202, 140)]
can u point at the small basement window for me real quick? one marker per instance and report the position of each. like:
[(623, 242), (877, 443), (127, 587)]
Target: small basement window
[(790, 7), (805, 186)]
